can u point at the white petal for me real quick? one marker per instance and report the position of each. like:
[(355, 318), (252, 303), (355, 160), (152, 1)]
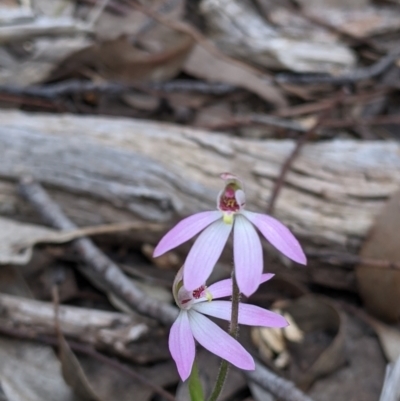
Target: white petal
[(247, 255), (204, 254)]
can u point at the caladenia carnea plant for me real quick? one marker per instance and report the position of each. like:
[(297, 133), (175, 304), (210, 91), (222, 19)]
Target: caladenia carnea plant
[(216, 226), (195, 299), (191, 324)]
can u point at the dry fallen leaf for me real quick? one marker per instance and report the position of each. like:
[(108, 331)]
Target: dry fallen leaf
[(389, 338), (380, 287), (119, 60), (13, 239), (17, 239), (202, 64), (314, 347), (301, 349), (74, 374), (315, 314)]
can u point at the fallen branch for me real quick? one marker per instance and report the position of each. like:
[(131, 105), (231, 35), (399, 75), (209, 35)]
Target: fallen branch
[(278, 386), (110, 331), (104, 269)]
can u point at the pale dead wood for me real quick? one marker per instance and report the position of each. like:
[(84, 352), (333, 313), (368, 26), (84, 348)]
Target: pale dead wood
[(391, 386), (104, 170), (104, 330), (42, 26)]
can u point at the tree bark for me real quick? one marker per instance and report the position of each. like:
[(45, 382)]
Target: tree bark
[(103, 170)]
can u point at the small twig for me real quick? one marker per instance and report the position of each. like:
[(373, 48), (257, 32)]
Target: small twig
[(287, 164), (262, 119), (276, 385), (74, 87), (359, 74), (348, 123), (290, 159), (320, 105), (183, 85), (86, 350), (283, 123), (18, 99), (98, 263)]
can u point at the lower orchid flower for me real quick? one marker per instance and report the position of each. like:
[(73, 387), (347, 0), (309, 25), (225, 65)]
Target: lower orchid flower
[(216, 226), (192, 325)]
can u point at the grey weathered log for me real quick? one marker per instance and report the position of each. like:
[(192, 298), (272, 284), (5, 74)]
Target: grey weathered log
[(104, 170), (111, 331)]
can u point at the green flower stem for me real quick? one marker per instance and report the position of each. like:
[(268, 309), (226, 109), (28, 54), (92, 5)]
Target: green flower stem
[(195, 389), (233, 331)]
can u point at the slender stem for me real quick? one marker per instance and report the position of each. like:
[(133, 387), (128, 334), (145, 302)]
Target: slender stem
[(233, 331)]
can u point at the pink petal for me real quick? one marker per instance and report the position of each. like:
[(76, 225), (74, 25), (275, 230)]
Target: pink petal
[(250, 315), (248, 256), (181, 345), (220, 343), (204, 254), (278, 235), (223, 288), (184, 230)]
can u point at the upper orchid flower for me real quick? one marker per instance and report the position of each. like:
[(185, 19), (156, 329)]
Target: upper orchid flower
[(217, 226), (192, 324)]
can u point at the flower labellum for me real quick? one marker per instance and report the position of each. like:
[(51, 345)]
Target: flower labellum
[(192, 325), (216, 226)]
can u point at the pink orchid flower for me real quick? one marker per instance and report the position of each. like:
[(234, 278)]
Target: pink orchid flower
[(216, 227), (191, 324)]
